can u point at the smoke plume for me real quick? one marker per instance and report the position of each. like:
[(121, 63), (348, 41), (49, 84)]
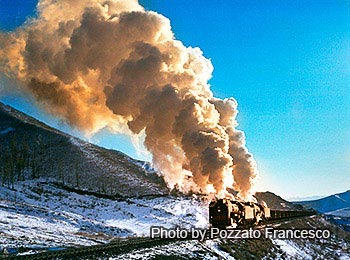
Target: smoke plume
[(110, 63)]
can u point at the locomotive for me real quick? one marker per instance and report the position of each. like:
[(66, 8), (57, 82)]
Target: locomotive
[(225, 212)]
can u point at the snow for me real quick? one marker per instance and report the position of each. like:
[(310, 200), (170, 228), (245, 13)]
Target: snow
[(291, 249), (309, 249), (345, 212), (144, 165), (213, 245), (284, 205), (180, 249), (36, 213), (7, 130), (340, 198)]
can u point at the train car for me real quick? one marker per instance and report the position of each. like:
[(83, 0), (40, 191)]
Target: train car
[(230, 213), (283, 214), (225, 212)]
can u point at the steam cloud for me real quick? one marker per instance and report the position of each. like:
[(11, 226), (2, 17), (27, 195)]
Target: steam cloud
[(112, 64)]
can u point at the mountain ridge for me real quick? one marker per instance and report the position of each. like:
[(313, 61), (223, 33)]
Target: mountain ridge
[(330, 203), (32, 149)]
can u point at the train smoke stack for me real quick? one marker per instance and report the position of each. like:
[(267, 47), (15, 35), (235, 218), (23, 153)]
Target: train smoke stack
[(103, 63)]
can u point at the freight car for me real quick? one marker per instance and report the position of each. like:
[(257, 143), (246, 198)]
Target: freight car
[(282, 214), (226, 212)]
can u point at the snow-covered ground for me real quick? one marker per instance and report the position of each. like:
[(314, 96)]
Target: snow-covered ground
[(38, 214), (305, 250), (291, 249), (7, 130), (345, 213), (340, 217), (193, 249)]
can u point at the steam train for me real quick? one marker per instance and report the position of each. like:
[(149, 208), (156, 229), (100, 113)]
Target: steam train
[(225, 212)]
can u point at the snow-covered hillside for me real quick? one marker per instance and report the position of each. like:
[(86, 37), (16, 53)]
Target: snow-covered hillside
[(336, 208), (340, 217), (30, 149), (37, 214), (330, 203)]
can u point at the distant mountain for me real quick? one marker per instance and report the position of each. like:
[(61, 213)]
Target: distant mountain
[(345, 213), (29, 149), (296, 199), (331, 203)]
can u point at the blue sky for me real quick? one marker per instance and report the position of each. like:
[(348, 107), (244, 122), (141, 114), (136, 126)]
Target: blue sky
[(287, 63)]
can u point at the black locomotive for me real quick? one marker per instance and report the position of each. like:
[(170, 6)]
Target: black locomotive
[(226, 212)]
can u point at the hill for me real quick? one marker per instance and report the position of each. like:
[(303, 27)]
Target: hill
[(29, 149), (276, 202), (331, 203)]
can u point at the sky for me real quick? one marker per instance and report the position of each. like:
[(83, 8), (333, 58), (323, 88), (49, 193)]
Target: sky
[(287, 63)]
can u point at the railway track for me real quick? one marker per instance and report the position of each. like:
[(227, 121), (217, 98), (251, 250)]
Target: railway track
[(96, 251)]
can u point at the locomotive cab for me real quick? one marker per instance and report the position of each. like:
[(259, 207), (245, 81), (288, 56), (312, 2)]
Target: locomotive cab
[(219, 213), (224, 213)]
